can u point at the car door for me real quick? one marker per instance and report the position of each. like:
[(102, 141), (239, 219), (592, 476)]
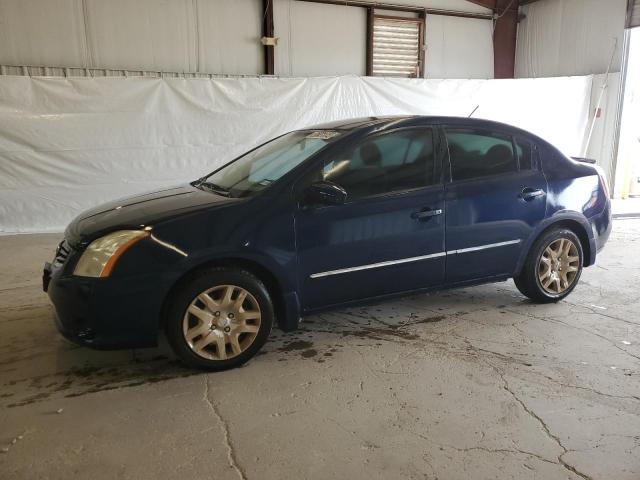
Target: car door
[(494, 199), (389, 234)]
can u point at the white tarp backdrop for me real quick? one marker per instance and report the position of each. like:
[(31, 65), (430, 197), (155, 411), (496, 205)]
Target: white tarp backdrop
[(67, 144)]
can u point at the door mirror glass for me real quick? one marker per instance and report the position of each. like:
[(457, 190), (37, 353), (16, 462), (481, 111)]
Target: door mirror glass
[(325, 193)]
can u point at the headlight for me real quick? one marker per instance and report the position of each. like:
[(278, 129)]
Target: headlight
[(101, 255)]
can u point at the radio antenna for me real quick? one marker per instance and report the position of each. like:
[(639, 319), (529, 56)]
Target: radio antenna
[(473, 111)]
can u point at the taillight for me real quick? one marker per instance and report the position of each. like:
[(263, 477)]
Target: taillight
[(605, 184), (603, 180)]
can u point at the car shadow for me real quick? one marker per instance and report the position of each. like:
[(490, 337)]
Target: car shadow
[(30, 373)]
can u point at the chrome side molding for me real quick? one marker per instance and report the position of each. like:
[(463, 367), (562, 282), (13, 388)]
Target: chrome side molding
[(377, 265), (483, 247), (412, 259)]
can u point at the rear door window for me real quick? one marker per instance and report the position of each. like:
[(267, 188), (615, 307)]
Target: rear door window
[(477, 153)]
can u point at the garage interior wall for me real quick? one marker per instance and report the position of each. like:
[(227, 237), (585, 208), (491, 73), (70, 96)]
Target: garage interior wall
[(170, 36), (116, 136), (223, 37), (578, 37), (570, 37), (316, 40)]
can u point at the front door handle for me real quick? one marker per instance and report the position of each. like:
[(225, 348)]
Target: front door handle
[(529, 193), (426, 214)]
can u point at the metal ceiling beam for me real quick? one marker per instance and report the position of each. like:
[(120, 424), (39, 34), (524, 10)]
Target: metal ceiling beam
[(492, 3), (402, 8), (484, 3)]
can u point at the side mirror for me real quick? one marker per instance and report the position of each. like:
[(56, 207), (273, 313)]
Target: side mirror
[(325, 193)]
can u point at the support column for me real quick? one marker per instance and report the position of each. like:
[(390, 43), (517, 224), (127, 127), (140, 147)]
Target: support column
[(268, 32), (369, 53), (504, 39)]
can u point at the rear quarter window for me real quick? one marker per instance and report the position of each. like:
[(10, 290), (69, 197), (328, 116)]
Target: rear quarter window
[(525, 151)]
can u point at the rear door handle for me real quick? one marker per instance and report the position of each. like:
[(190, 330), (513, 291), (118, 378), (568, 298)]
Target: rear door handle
[(425, 214), (529, 193)]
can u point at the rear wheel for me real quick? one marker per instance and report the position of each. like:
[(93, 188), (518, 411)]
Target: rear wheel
[(552, 268), (219, 319)]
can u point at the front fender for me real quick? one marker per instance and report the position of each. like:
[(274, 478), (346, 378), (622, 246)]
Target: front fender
[(279, 278)]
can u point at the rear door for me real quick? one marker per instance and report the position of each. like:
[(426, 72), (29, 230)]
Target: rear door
[(495, 197), (389, 235)]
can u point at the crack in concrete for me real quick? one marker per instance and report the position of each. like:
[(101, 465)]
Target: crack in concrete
[(555, 320), (588, 389), (505, 450), (231, 456), (449, 348), (592, 311), (510, 359), (487, 449), (501, 356), (543, 424)]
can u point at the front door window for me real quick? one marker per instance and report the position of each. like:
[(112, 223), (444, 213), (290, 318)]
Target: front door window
[(386, 163)]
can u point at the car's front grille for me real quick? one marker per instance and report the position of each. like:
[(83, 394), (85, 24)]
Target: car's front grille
[(62, 253)]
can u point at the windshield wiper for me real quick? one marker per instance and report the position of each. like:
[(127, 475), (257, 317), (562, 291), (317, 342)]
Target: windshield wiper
[(202, 183)]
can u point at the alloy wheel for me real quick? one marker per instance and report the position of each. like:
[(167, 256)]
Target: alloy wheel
[(559, 266), (222, 322)]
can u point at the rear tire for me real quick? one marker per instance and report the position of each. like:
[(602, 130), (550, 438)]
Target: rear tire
[(219, 318), (552, 268)]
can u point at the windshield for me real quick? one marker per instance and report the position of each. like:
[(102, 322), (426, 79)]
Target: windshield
[(259, 168)]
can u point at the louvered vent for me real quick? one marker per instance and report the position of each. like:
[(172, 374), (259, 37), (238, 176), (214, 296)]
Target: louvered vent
[(633, 17), (396, 47)]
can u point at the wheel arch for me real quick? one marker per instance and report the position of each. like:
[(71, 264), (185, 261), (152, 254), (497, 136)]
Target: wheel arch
[(580, 232), (285, 307), (580, 228)]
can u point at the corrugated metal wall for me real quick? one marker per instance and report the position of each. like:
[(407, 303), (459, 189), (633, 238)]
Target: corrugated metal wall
[(570, 37), (317, 40), (222, 37)]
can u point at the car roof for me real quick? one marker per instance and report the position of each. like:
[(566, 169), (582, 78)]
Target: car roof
[(390, 121), (355, 123)]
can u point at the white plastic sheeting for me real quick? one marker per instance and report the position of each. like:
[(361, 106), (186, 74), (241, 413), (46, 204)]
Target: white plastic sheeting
[(69, 144)]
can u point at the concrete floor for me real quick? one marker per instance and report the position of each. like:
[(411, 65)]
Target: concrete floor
[(475, 383)]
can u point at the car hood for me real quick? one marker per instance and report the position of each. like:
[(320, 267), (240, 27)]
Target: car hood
[(141, 211)]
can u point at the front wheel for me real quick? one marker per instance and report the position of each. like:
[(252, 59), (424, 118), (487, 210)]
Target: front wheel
[(219, 319), (552, 268)]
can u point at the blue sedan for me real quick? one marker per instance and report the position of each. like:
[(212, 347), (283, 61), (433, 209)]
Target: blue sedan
[(342, 213)]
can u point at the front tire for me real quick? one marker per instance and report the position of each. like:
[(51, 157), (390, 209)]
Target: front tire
[(219, 318), (552, 268)]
